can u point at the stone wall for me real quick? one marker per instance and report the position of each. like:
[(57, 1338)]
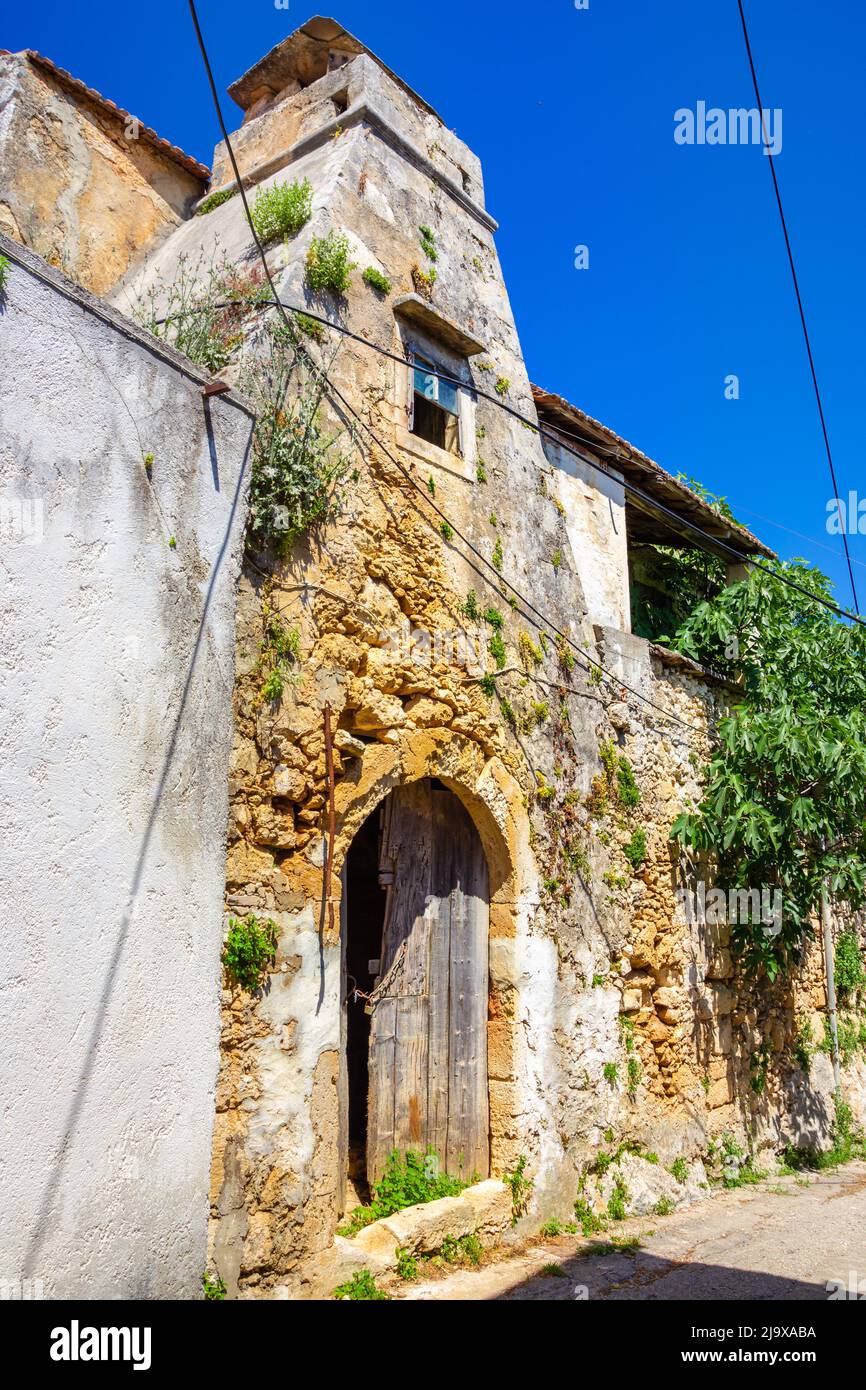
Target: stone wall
[(122, 505), (83, 185), (609, 1018)]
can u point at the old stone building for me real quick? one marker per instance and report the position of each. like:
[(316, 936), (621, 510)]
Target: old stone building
[(437, 803)]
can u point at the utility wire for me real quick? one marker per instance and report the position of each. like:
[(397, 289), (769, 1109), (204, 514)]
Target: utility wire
[(555, 436), (533, 615), (771, 158)]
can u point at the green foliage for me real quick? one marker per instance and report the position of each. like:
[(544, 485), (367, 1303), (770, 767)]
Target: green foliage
[(281, 210), (556, 559), (664, 1206), (552, 1270), (488, 684), (376, 280), (494, 618), (502, 385), (465, 1250), (610, 1072), (850, 974), (635, 850), (848, 1143), (759, 1063), (447, 530), (530, 654), (617, 1206), (205, 309), (804, 1041), (496, 648), (470, 607), (407, 1266), (551, 1228), (214, 200), (297, 467), (361, 1288), (280, 649), (431, 485), (590, 1224), (4, 273), (213, 1287), (508, 712), (310, 327), (679, 1169), (668, 583), (249, 950), (481, 473), (328, 267), (521, 1186), (497, 557), (428, 243), (406, 1181), (784, 801)]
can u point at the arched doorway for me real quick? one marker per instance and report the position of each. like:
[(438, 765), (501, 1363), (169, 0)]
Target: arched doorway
[(415, 967)]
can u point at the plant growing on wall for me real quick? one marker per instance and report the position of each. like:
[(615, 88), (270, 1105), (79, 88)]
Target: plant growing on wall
[(784, 802), (328, 265), (4, 274), (376, 280), (214, 200), (205, 309), (297, 466), (249, 950), (281, 210)]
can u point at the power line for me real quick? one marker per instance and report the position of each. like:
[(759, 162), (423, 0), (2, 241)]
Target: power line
[(532, 614), (556, 436), (771, 159)]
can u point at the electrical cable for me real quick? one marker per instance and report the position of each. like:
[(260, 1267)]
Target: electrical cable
[(771, 158)]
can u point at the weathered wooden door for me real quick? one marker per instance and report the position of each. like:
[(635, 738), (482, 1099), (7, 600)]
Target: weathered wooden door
[(428, 1035)]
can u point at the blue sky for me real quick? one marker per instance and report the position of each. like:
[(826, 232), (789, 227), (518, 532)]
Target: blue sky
[(572, 114)]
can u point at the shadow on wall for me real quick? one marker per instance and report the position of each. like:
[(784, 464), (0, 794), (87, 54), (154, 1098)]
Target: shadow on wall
[(53, 1183)]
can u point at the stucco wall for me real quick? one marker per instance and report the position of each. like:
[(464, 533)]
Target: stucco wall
[(115, 685)]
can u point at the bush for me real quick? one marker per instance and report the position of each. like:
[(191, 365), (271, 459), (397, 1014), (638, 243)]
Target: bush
[(194, 314), (635, 850), (4, 273), (281, 210), (328, 264)]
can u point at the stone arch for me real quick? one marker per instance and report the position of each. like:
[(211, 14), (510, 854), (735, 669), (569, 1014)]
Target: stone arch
[(495, 802)]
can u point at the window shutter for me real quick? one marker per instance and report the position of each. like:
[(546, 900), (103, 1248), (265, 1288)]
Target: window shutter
[(410, 402)]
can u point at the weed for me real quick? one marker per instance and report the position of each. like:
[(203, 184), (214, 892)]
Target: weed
[(405, 1182), (213, 1287), (4, 273), (496, 648), (497, 557), (664, 1206), (521, 1186), (361, 1288), (502, 385), (281, 210), (530, 655), (634, 1074), (679, 1169), (447, 530), (551, 1228), (804, 1040), (215, 200), (249, 950), (635, 850), (617, 1203), (850, 974), (310, 327), (610, 1072), (424, 282), (431, 486), (556, 559), (590, 1223), (488, 684), (481, 473), (376, 280), (470, 607), (508, 712), (328, 267)]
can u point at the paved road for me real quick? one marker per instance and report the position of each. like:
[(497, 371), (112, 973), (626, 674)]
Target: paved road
[(781, 1240)]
